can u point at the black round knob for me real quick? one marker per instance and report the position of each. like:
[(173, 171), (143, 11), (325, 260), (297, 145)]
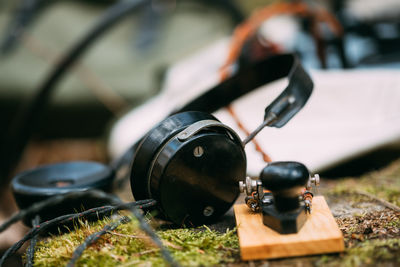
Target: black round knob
[(283, 175), (284, 180)]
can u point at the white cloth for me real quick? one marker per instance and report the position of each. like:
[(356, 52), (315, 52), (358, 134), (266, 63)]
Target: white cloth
[(350, 112)]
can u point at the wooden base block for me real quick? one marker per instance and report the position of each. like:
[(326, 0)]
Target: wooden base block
[(320, 234)]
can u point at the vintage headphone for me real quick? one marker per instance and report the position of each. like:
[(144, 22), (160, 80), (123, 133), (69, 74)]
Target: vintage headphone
[(190, 162)]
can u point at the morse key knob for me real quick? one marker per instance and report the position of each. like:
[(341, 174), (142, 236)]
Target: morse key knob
[(285, 180)]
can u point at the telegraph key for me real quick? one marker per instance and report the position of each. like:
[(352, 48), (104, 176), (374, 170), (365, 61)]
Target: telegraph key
[(285, 205), (287, 214), (278, 222)]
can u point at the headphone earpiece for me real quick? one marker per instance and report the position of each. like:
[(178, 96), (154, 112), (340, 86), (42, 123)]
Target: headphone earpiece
[(191, 164), (41, 183)]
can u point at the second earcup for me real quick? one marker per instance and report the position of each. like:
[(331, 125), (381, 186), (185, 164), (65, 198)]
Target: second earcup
[(47, 181)]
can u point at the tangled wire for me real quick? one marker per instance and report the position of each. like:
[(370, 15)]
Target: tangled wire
[(41, 227)]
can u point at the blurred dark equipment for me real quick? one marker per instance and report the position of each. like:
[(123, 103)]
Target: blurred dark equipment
[(26, 120), (382, 32), (25, 14), (152, 15)]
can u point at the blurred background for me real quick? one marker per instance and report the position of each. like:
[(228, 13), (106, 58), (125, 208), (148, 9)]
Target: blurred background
[(129, 64), (126, 66)]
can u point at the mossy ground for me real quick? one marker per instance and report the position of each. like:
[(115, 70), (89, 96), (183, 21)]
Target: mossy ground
[(370, 228), (383, 184), (369, 253), (371, 221), (128, 246)]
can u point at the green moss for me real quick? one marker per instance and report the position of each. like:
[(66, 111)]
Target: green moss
[(129, 246), (388, 193), (383, 184), (371, 252), (394, 223)]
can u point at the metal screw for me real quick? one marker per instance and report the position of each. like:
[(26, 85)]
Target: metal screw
[(267, 201), (242, 186), (208, 211), (250, 185), (316, 179), (198, 151)]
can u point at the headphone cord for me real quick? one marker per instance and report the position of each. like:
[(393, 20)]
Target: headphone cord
[(118, 205), (28, 117)]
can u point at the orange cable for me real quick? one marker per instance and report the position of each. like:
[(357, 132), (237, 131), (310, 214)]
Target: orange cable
[(242, 33), (250, 26), (258, 148)]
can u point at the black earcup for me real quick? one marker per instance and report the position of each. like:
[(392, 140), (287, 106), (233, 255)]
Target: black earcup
[(191, 164), (152, 143), (47, 181)]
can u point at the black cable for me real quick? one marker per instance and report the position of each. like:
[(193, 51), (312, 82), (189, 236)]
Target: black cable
[(154, 237), (340, 47), (94, 237), (38, 206), (25, 13), (143, 225), (70, 217), (30, 254), (45, 225), (27, 119), (23, 126)]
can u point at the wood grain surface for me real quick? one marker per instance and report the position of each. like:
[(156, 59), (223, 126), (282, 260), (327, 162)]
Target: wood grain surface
[(320, 234)]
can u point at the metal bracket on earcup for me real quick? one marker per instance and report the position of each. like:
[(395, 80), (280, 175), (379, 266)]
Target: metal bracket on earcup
[(204, 124)]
